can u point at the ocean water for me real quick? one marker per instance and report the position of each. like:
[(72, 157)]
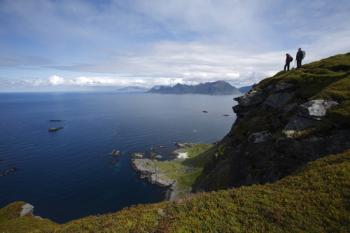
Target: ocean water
[(71, 173)]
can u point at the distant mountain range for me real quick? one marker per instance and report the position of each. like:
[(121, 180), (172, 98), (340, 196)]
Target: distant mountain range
[(245, 89), (132, 89), (209, 88)]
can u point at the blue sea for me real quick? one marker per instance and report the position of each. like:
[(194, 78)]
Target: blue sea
[(71, 173)]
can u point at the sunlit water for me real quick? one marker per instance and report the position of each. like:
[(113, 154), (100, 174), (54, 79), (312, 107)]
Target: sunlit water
[(71, 173)]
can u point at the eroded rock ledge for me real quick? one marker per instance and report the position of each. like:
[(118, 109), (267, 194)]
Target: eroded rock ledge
[(148, 170)]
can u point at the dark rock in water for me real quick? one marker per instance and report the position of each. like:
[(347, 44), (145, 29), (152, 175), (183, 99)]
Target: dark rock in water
[(55, 129), (115, 152), (226, 115), (55, 120), (8, 171), (138, 155), (204, 111), (158, 156), (183, 144)]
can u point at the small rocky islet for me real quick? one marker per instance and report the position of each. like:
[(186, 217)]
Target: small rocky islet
[(55, 129), (8, 171)]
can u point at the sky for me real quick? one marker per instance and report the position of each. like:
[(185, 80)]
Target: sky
[(61, 45)]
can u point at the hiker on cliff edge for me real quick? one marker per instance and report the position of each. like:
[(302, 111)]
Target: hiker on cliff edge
[(299, 57), (289, 59)]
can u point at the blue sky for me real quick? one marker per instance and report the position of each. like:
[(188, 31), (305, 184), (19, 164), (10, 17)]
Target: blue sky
[(76, 45)]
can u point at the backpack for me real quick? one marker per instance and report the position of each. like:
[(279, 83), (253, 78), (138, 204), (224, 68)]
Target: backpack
[(303, 52), (290, 58)]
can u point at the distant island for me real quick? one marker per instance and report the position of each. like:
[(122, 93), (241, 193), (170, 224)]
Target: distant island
[(208, 88), (132, 89)]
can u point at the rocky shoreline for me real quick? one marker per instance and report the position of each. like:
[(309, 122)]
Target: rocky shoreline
[(175, 175), (148, 170)]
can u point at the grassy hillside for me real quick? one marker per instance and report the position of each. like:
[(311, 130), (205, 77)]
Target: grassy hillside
[(316, 198), (11, 222)]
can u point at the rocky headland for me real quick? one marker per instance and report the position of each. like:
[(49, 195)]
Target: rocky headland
[(170, 173)]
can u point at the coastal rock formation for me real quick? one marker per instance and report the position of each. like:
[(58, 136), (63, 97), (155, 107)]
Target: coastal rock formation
[(55, 129), (115, 152), (149, 170), (8, 171), (138, 155), (284, 122), (27, 209)]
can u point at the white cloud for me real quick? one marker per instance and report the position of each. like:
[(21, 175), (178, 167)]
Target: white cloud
[(145, 43), (56, 80)]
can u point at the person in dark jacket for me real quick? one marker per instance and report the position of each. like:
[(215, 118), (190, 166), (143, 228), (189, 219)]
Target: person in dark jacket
[(299, 57), (289, 59)]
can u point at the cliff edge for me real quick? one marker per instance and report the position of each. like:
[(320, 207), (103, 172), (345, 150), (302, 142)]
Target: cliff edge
[(284, 122)]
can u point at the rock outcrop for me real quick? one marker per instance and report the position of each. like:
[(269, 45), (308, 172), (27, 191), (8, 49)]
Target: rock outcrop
[(284, 122), (317, 108), (148, 170), (27, 209)]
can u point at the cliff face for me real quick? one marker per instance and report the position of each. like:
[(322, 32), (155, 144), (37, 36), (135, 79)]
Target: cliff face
[(282, 123)]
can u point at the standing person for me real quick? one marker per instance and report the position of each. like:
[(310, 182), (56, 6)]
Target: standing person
[(289, 59), (299, 57)]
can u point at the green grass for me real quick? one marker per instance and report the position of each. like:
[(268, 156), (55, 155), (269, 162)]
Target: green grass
[(327, 78), (185, 172), (316, 198), (11, 222)]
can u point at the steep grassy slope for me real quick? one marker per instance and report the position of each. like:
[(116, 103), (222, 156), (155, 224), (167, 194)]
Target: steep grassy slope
[(316, 198), (11, 222), (280, 125)]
